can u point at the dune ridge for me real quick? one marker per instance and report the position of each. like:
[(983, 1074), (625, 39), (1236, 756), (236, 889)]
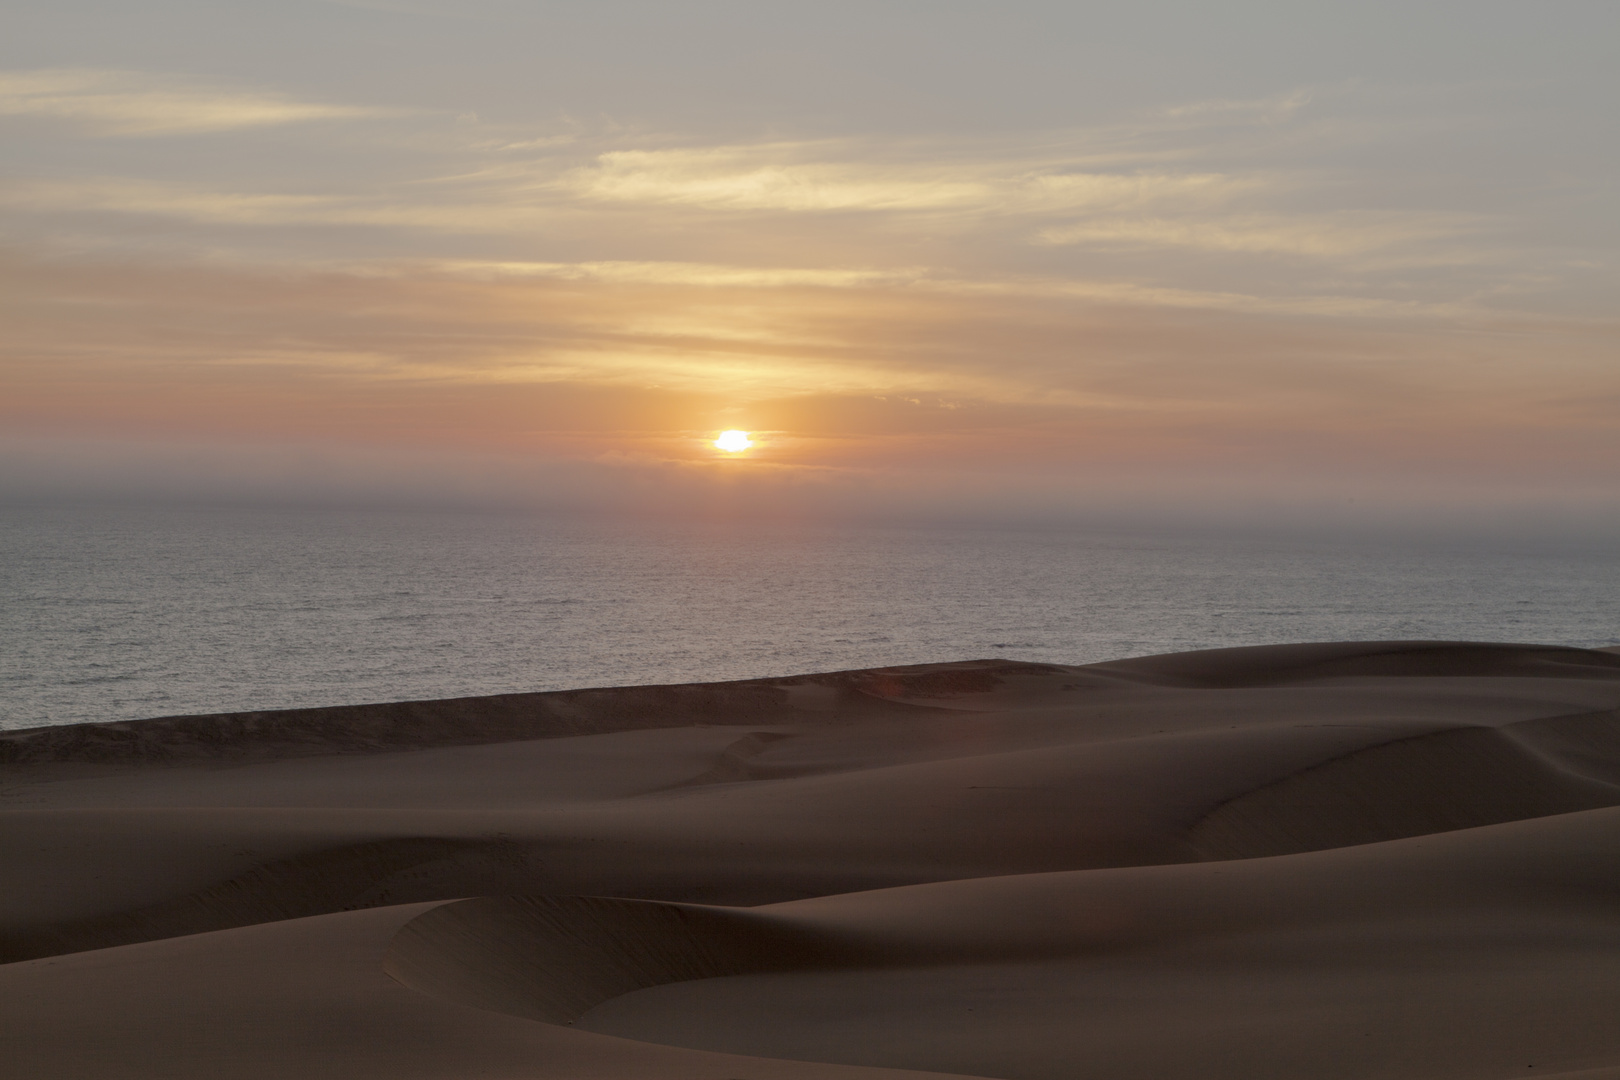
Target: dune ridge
[(372, 874), (413, 725), (554, 958), (1460, 778)]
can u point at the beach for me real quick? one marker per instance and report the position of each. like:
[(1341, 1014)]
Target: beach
[(1367, 859)]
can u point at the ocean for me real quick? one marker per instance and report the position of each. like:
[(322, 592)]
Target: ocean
[(114, 614)]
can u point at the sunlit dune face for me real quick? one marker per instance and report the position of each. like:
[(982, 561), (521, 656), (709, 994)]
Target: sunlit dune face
[(733, 442)]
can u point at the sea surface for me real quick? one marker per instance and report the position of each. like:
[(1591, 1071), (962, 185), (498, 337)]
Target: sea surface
[(113, 614)]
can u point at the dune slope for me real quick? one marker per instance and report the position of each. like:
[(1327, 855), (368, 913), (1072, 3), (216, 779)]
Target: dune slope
[(1476, 953)]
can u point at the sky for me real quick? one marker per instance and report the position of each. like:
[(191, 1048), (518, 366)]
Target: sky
[(1324, 262)]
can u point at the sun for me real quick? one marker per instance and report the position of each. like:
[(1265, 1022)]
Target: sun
[(734, 442)]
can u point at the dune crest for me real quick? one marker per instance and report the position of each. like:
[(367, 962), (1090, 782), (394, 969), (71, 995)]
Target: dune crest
[(1460, 778), (554, 958)]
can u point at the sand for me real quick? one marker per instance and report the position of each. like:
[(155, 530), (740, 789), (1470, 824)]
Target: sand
[(1392, 860)]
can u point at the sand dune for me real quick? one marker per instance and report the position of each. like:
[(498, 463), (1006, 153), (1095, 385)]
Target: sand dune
[(1337, 860), (1397, 959), (1453, 779)]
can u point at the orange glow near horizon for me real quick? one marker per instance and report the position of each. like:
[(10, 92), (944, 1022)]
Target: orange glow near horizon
[(587, 390)]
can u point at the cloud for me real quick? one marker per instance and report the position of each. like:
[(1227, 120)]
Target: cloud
[(213, 206), (480, 205), (800, 177), (1124, 214), (1319, 235), (734, 178), (129, 103), (170, 200), (1266, 110), (675, 273), (104, 341), (988, 267), (925, 280)]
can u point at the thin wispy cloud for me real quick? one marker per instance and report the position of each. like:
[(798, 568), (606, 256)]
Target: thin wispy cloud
[(197, 204), (130, 103), (1321, 235), (670, 273), (1266, 110), (820, 178), (723, 180), (928, 281), (192, 203)]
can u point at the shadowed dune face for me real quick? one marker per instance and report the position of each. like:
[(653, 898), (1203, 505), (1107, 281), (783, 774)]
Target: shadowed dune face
[(1365, 859)]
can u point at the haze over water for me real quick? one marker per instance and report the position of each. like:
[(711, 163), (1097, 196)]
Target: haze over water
[(114, 614)]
